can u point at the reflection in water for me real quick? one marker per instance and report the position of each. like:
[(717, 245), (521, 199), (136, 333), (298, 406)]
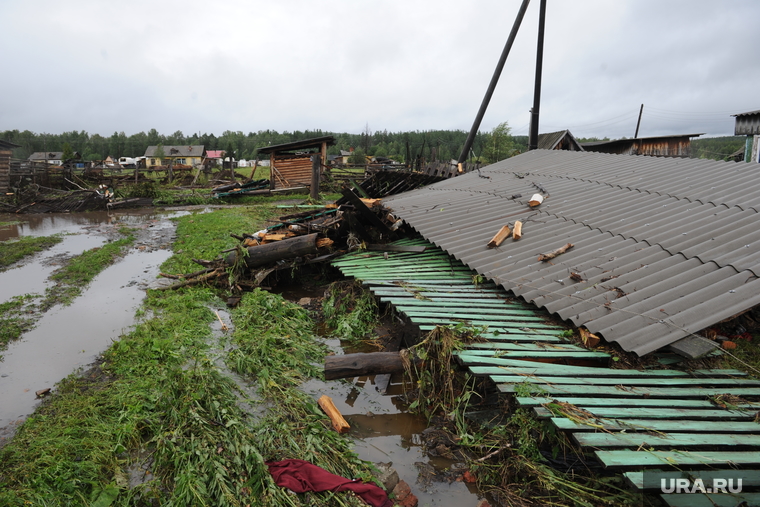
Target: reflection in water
[(67, 338)]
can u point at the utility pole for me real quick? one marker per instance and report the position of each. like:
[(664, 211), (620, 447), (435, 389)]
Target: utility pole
[(638, 123), (494, 80), (533, 138)]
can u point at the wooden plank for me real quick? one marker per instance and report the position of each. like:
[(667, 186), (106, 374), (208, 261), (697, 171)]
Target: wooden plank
[(662, 425), (750, 478), (535, 345), (659, 413), (545, 374), (627, 458), (665, 442), (564, 370), (712, 500), (448, 303), (626, 391), (516, 333), (625, 402), (538, 353), (483, 314), (531, 322)]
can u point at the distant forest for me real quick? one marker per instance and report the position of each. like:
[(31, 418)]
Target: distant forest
[(488, 147)]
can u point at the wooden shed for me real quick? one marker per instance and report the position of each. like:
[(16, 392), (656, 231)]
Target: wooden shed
[(291, 164), (660, 146), (6, 150)]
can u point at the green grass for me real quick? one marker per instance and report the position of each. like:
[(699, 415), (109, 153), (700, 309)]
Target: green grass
[(160, 394), (72, 278), (13, 251)]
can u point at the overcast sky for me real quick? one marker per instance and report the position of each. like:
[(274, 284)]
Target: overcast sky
[(104, 66)]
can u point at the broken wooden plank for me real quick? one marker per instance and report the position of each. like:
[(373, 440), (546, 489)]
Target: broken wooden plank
[(517, 233), (338, 422), (499, 237), (549, 256)]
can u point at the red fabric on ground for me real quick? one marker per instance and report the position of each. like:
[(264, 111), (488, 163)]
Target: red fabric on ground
[(301, 476)]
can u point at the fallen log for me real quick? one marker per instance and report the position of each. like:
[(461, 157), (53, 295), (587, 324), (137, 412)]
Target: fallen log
[(289, 248), (360, 364), (554, 253)]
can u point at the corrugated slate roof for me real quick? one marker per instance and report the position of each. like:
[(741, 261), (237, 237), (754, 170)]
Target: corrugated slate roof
[(665, 247)]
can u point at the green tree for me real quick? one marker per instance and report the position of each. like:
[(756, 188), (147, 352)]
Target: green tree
[(68, 153), (499, 144)]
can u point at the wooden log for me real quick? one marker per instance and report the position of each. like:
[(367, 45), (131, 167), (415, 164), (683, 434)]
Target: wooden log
[(517, 233), (289, 248), (554, 253), (360, 364), (338, 422), (499, 238)]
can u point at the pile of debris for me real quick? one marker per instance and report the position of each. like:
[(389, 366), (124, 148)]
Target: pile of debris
[(235, 189), (300, 239)]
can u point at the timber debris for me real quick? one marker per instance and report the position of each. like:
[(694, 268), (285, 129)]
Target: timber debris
[(296, 240)]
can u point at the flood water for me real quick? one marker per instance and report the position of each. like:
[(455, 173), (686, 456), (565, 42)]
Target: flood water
[(67, 339)]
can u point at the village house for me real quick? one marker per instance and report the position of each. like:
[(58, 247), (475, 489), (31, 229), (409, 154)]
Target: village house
[(176, 155), (51, 157)]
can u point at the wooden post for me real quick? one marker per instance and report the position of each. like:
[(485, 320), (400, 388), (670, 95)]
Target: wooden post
[(255, 165), (316, 165)]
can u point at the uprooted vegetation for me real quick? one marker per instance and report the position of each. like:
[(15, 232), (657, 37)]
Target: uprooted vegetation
[(515, 458)]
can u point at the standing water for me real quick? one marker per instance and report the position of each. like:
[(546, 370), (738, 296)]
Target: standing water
[(67, 339)]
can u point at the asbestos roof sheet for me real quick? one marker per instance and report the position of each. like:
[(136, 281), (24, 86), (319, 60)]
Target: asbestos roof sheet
[(663, 247)]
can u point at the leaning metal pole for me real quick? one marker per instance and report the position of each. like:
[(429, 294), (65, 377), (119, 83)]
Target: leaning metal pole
[(494, 80)]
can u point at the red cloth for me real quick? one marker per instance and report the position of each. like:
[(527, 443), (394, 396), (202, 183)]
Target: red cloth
[(301, 476)]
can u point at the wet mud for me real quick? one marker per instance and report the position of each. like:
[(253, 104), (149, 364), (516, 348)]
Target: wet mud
[(70, 339)]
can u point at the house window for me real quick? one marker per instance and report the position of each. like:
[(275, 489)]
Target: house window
[(153, 161), (180, 161)]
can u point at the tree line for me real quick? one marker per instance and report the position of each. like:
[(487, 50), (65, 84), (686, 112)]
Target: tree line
[(403, 147)]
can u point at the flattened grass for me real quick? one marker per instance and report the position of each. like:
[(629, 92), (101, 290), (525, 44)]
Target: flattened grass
[(160, 401)]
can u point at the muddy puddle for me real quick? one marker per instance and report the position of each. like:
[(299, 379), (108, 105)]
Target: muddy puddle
[(66, 339), (381, 428)]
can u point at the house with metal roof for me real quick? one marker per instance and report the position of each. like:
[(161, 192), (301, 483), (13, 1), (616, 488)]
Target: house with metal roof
[(50, 157), (659, 248), (748, 124), (178, 155), (657, 146)]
